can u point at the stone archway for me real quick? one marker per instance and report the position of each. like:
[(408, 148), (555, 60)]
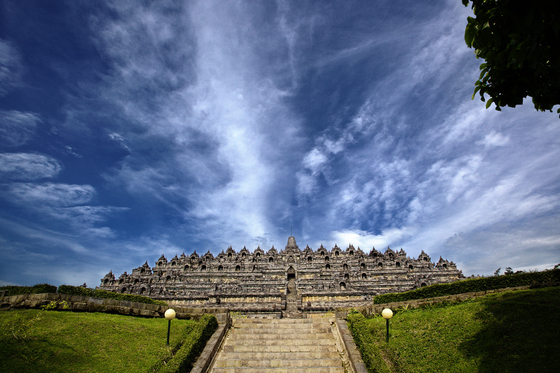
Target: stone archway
[(291, 273)]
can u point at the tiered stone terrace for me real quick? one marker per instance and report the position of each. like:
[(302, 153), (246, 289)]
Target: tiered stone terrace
[(289, 282)]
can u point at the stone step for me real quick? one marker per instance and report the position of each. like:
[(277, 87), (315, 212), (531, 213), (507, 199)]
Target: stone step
[(278, 321), (280, 363), (256, 331), (275, 336), (279, 342), (280, 370), (281, 325), (270, 355), (242, 324), (279, 348), (279, 345)]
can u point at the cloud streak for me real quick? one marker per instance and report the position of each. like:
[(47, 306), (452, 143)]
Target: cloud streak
[(25, 166), (17, 128), (10, 67)]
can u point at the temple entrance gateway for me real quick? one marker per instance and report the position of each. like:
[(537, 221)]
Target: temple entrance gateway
[(291, 295), (291, 273)]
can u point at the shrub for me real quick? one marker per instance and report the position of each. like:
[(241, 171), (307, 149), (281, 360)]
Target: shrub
[(53, 305), (472, 285), (365, 342), (98, 293), (35, 289), (192, 347)]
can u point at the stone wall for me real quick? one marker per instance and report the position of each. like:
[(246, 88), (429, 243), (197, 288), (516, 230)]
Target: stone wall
[(260, 281), (77, 303)]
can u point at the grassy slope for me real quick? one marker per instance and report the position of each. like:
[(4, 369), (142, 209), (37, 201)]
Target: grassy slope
[(86, 342), (515, 331)]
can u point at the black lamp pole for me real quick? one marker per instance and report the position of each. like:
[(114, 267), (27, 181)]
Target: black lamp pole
[(387, 329), (169, 329)]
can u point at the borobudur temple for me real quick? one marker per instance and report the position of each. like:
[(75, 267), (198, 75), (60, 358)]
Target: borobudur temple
[(281, 282)]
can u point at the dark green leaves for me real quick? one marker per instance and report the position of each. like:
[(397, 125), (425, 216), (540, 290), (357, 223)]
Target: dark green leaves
[(519, 42), (470, 31)]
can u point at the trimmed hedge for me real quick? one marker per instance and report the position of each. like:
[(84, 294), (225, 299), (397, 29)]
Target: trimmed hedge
[(35, 289), (472, 285), (192, 347), (365, 341), (98, 293)]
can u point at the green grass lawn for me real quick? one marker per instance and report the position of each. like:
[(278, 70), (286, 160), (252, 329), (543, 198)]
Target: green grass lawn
[(515, 331), (85, 342)]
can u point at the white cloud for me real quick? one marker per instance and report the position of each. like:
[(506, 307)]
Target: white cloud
[(306, 185), (103, 232), (498, 194), (49, 194), (71, 151), (119, 139), (10, 67), (525, 245), (85, 216), (367, 241), (455, 178), (27, 166), (40, 237), (494, 139), (314, 160), (225, 130), (17, 128)]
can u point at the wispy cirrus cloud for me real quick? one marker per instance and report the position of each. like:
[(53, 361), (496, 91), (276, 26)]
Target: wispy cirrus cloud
[(49, 194), (415, 181), (28, 166), (494, 139), (16, 127), (219, 125), (10, 67)]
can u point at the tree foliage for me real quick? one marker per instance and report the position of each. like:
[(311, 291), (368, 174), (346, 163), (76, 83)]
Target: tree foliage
[(520, 43)]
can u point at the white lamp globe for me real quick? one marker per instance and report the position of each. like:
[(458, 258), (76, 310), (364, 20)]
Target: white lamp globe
[(170, 314), (387, 313)]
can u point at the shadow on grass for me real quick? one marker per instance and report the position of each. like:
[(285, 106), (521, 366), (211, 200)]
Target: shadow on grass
[(39, 355), (520, 333)]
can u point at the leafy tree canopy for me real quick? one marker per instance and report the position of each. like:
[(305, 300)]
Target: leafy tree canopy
[(520, 43)]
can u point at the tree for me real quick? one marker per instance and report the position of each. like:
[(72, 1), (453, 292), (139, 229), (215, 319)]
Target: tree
[(508, 271), (497, 272), (520, 43)]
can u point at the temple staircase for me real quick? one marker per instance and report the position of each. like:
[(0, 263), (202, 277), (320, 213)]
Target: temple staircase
[(291, 311), (280, 345)]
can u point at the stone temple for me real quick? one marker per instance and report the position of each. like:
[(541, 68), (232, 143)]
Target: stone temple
[(286, 282)]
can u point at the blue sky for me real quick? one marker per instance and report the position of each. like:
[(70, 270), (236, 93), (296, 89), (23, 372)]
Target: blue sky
[(134, 129)]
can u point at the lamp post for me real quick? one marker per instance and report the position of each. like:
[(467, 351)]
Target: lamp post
[(169, 315), (387, 314)]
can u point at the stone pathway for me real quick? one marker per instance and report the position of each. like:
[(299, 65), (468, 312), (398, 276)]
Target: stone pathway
[(279, 345)]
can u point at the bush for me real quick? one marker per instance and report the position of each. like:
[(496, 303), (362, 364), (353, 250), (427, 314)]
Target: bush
[(35, 289), (192, 347), (472, 285), (366, 343), (98, 293)]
